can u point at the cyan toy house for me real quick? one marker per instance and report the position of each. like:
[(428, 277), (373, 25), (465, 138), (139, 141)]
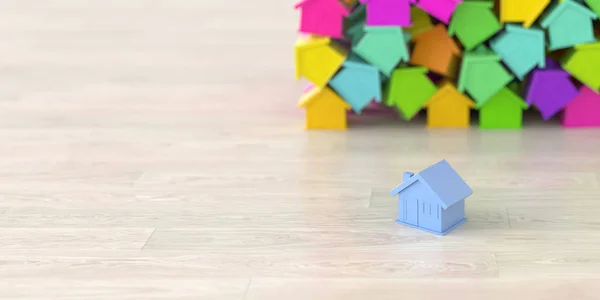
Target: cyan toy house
[(569, 23), (358, 83), (433, 199)]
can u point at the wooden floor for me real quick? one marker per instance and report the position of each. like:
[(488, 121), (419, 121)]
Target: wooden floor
[(153, 150)]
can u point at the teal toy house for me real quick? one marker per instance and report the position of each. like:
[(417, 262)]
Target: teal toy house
[(569, 23), (384, 47), (358, 83), (433, 199), (521, 49)]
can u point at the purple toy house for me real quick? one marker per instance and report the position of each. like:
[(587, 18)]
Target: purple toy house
[(388, 12), (439, 9), (583, 110), (550, 90), (322, 17)]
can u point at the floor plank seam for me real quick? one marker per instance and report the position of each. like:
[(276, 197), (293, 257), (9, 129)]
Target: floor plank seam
[(149, 237), (497, 265), (247, 288), (508, 217)]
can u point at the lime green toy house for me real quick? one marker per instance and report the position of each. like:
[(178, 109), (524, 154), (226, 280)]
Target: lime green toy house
[(408, 90), (583, 62), (594, 5), (504, 110)]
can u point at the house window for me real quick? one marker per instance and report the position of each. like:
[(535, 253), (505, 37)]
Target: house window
[(428, 210)]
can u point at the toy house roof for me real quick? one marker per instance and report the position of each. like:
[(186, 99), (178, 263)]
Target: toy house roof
[(566, 4), (562, 87), (476, 4), (390, 30), (468, 8), (384, 29), (583, 98), (304, 42), (481, 55), (302, 3), (439, 37), (443, 180), (586, 51), (362, 67), (417, 72), (531, 32), (447, 89), (342, 8), (590, 46), (307, 42), (505, 94), (316, 93)]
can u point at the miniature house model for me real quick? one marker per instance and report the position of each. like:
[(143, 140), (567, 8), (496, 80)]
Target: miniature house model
[(433, 199)]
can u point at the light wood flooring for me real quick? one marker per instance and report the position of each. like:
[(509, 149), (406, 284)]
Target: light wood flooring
[(152, 149)]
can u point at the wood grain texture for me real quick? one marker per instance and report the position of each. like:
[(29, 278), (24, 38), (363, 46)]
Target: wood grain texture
[(74, 238), (153, 150), (97, 265), (271, 288), (142, 288)]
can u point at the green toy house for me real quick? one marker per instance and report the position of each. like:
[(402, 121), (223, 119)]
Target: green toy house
[(504, 110), (482, 74), (469, 13)]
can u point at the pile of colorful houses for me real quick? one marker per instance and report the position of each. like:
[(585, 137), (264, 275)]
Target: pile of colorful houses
[(448, 57)]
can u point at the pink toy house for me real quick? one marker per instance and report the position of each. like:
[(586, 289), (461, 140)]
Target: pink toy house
[(439, 9), (322, 17), (388, 12), (583, 110)]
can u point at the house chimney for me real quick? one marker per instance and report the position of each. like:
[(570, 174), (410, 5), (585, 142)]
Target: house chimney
[(407, 175)]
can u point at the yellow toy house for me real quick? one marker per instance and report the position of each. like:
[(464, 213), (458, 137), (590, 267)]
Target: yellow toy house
[(324, 109), (317, 59), (521, 11), (449, 108)]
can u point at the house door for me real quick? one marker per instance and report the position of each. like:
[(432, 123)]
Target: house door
[(411, 211)]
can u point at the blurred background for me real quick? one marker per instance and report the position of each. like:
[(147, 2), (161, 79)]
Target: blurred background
[(153, 149), (69, 63)]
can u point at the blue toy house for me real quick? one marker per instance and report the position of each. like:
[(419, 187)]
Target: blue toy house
[(433, 199)]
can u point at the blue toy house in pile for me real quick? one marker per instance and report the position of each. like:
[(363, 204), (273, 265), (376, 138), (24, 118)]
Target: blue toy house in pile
[(433, 199)]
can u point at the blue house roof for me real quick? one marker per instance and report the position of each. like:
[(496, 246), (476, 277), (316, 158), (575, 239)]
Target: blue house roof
[(443, 180)]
